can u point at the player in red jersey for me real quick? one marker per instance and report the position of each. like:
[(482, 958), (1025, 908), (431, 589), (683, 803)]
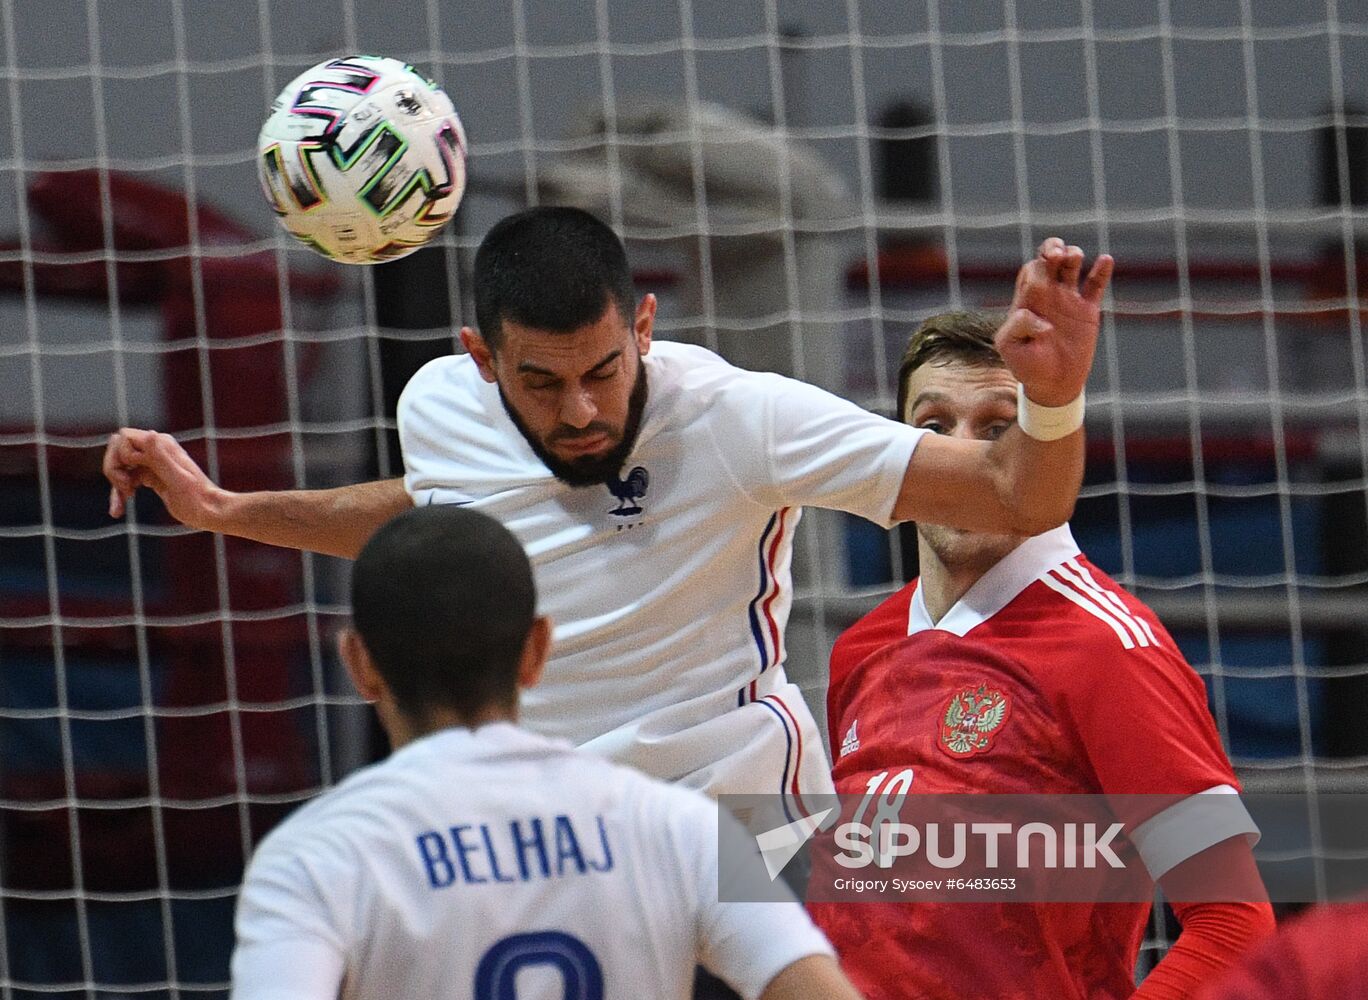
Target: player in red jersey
[(1086, 693), (1320, 953)]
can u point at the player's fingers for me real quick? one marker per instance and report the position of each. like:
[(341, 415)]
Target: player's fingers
[(132, 437), (1052, 254), (124, 483), (1021, 326), (1050, 248), (109, 464), (129, 451), (1035, 273), (1098, 278), (131, 457), (1071, 266), (121, 482), (117, 449), (119, 501), (1037, 267), (121, 458), (1023, 277)]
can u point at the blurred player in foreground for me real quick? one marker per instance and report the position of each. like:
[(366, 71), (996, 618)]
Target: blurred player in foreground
[(1321, 954), (480, 855), (1086, 694), (657, 488)]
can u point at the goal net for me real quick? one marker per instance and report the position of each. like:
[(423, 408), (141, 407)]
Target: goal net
[(801, 183)]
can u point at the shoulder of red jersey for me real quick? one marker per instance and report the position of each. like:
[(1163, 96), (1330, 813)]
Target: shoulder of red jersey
[(885, 624), (1086, 607), (1097, 638)]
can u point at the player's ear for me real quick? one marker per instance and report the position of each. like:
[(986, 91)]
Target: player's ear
[(360, 667), (534, 654), (644, 323), (480, 351)]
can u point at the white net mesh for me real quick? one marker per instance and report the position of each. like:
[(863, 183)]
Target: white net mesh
[(801, 182)]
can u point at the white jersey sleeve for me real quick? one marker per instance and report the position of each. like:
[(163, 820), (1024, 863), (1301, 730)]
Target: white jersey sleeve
[(745, 944), (289, 945), (791, 444)]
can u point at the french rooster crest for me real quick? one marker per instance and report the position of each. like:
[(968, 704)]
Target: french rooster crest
[(628, 490)]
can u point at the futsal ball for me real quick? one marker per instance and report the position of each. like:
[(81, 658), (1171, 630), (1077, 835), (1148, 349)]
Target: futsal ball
[(362, 159)]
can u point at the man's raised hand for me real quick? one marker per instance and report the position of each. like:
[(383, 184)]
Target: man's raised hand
[(1050, 334), (334, 522), (136, 458)]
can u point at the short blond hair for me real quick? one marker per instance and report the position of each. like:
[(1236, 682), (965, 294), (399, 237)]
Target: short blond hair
[(964, 336)]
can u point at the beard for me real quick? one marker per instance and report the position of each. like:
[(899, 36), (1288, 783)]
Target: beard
[(588, 470)]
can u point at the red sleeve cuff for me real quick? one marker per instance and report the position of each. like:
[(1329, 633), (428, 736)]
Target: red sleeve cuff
[(1214, 937)]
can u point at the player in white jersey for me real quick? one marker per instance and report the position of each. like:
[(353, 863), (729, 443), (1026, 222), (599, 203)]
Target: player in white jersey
[(656, 661), (480, 860), (656, 489)]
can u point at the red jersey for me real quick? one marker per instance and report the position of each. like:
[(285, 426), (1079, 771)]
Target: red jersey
[(1072, 686), (1322, 953)]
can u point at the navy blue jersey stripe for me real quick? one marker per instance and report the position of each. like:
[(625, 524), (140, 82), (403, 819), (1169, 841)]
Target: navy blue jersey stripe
[(754, 607), (788, 755)]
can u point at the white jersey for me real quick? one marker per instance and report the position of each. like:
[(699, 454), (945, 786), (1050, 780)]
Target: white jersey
[(473, 860), (670, 588)]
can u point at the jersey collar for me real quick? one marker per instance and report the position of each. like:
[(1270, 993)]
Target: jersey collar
[(996, 589), (493, 739)]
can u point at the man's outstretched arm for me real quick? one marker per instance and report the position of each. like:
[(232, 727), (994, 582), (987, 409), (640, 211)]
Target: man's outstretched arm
[(816, 977), (1020, 483), (335, 522)]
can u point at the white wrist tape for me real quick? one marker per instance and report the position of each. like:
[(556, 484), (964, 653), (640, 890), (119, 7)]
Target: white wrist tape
[(1048, 423)]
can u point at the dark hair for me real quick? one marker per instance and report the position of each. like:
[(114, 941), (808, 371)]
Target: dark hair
[(444, 600), (967, 337), (551, 268)]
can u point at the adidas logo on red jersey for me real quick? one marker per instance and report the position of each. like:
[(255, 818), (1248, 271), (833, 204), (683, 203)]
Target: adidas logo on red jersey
[(850, 742)]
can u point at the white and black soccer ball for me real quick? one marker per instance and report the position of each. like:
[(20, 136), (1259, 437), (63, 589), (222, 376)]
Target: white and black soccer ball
[(362, 159)]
